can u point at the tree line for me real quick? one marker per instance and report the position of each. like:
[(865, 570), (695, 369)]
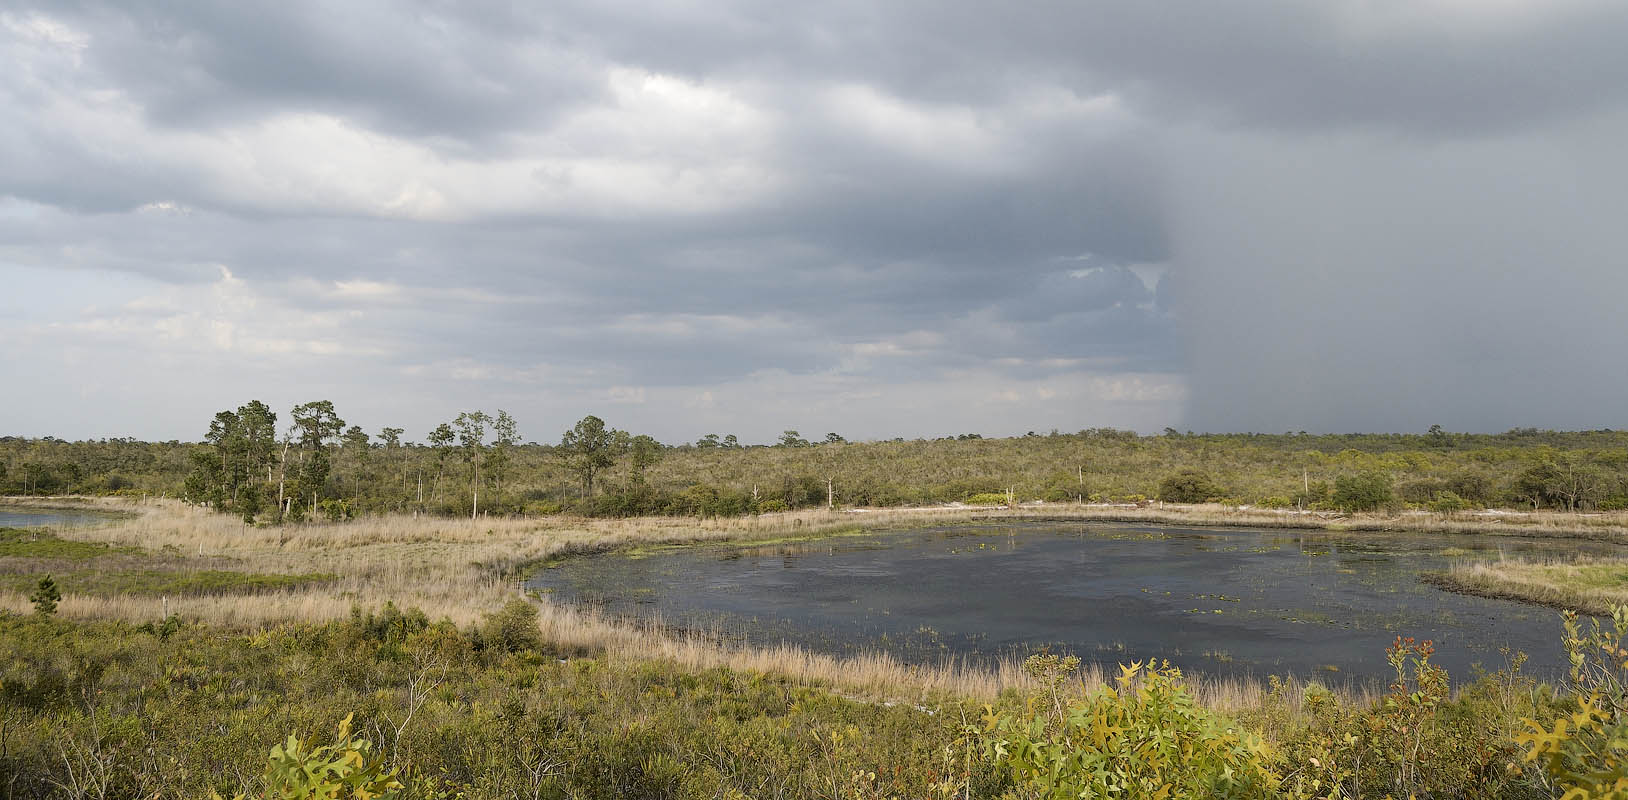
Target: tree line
[(313, 464)]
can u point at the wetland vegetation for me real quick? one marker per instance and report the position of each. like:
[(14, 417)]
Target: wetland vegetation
[(1590, 585), (178, 642)]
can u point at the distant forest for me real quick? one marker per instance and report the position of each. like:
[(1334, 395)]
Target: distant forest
[(311, 465)]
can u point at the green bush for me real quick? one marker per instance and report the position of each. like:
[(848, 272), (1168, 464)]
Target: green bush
[(1189, 486), (512, 629), (335, 510), (1586, 752), (703, 500), (987, 499), (348, 769), (771, 506), (1366, 491), (542, 508), (1447, 502), (1145, 738)]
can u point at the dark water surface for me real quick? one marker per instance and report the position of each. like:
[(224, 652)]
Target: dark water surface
[(1225, 601), (20, 517)]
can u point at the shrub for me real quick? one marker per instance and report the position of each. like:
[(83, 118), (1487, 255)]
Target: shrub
[(335, 510), (987, 499), (543, 507), (1586, 752), (771, 506), (1144, 738), (1422, 490), (1314, 495), (348, 768), (512, 629), (1448, 503), (1366, 491), (1276, 501), (1189, 486), (1472, 486), (702, 500)]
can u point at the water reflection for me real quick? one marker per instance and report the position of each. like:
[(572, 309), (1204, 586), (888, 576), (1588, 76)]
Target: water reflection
[(55, 518), (1218, 601)]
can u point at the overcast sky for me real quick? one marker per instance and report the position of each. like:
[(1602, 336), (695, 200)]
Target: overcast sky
[(882, 219)]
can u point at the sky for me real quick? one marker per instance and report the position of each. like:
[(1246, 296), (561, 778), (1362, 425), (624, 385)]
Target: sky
[(878, 219)]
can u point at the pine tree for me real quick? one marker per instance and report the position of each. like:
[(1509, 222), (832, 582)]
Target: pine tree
[(45, 597)]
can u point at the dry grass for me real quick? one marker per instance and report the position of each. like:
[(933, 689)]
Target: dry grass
[(462, 569), (1591, 586)]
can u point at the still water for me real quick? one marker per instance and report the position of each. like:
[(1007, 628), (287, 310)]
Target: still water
[(19, 517), (1224, 601)]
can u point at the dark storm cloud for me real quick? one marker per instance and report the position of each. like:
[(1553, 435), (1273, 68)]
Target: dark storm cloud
[(462, 71), (748, 209), (1461, 67)]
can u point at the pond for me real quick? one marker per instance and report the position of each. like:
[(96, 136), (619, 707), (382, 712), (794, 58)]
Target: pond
[(1219, 602), (24, 517)]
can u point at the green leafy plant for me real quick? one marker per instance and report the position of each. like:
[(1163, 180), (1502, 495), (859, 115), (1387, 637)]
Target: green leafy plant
[(1418, 689), (345, 770), (1145, 737), (1586, 752)]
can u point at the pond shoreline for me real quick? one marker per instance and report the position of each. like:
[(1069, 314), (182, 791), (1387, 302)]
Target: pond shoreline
[(1223, 600), (1447, 583), (79, 504), (1537, 526)]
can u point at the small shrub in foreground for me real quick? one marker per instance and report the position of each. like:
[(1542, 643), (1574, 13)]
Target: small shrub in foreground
[(1586, 752), (346, 769), (1146, 737)]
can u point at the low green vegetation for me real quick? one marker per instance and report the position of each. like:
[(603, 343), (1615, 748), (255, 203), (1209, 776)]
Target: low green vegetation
[(98, 569), (250, 465), (1190, 486), (988, 499), (429, 710), (171, 583), (35, 543)]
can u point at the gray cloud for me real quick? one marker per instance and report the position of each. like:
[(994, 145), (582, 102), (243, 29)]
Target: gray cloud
[(891, 218)]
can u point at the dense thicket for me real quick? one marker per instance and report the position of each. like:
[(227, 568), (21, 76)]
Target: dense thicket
[(479, 462)]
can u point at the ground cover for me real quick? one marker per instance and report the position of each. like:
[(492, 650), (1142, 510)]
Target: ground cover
[(506, 698), (1592, 586)]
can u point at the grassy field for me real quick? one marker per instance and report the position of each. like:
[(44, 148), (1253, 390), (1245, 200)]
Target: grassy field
[(507, 698)]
